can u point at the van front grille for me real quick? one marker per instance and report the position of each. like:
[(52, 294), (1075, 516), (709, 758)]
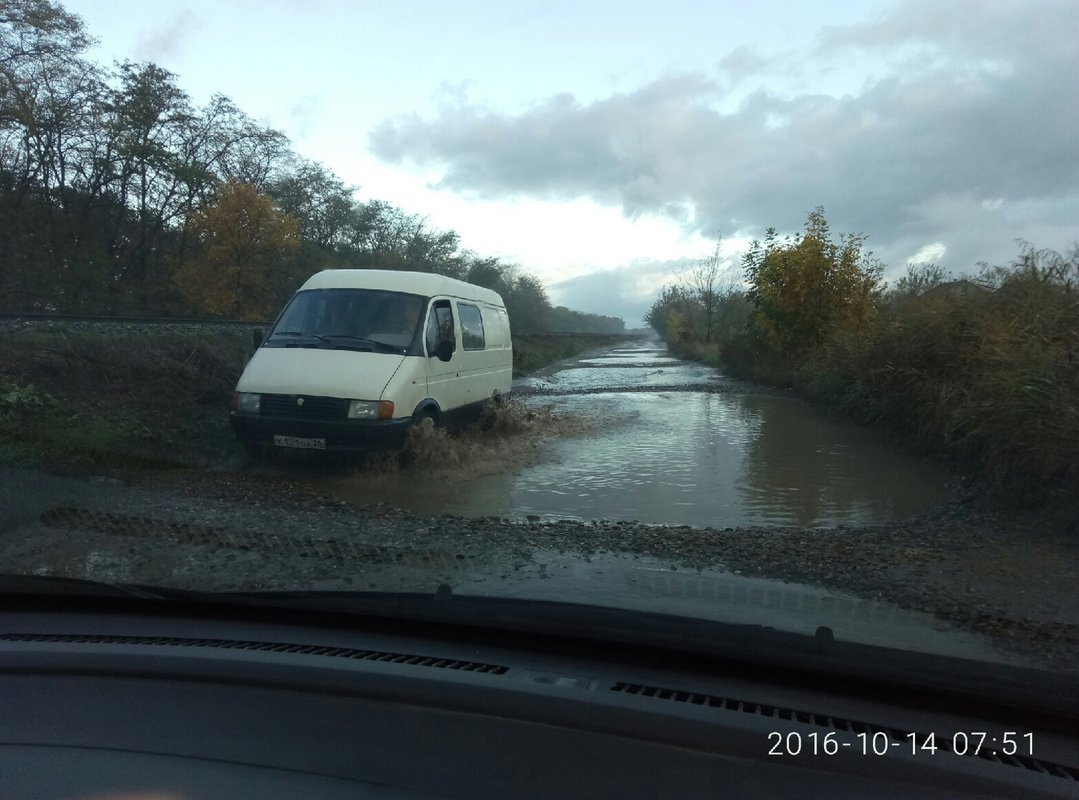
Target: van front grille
[(303, 406)]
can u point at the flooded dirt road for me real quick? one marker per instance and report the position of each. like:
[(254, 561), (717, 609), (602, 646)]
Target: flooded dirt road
[(664, 441)]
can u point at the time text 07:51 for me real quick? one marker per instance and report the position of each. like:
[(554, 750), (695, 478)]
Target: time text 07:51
[(881, 743)]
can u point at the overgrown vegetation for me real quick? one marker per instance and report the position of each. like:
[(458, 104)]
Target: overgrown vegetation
[(982, 370), (985, 370)]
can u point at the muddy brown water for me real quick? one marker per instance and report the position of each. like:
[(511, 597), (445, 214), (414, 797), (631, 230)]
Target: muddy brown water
[(635, 434)]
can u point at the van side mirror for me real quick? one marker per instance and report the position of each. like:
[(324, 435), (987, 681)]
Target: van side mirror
[(256, 337), (445, 350)]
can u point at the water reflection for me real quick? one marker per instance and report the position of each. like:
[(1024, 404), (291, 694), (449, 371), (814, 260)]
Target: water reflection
[(808, 469), (725, 460)]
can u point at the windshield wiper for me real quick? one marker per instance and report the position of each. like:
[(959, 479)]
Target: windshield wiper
[(15, 584), (333, 340), (384, 345), (315, 336)]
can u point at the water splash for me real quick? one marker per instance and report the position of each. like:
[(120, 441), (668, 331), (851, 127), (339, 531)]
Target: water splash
[(509, 434)]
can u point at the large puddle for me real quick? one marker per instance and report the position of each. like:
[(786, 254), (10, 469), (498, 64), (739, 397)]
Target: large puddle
[(659, 440)]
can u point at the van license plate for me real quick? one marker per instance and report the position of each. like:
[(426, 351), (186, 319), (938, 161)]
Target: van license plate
[(297, 441)]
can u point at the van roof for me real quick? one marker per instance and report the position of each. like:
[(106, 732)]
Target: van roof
[(422, 283)]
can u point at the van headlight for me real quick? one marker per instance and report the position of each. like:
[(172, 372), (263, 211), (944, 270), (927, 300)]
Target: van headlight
[(370, 409), (248, 402)]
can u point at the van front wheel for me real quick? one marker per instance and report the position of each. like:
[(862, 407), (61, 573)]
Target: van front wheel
[(424, 418), (423, 423)]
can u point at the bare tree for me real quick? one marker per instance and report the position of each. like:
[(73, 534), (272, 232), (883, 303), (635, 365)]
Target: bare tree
[(703, 282)]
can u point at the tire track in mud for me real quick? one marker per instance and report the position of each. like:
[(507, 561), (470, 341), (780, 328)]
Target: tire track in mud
[(127, 526)]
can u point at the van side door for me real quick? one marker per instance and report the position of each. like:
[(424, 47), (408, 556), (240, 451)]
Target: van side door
[(486, 357), (442, 338)]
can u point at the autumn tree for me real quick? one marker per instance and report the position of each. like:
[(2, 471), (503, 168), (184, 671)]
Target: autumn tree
[(243, 239), (802, 288)]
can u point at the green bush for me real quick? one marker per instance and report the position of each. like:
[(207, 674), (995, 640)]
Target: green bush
[(17, 400)]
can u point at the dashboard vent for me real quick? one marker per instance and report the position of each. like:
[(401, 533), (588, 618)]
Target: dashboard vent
[(265, 647), (842, 725)]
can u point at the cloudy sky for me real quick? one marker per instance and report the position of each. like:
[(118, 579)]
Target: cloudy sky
[(605, 145)]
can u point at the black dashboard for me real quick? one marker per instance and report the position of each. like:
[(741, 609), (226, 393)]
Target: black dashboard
[(155, 705)]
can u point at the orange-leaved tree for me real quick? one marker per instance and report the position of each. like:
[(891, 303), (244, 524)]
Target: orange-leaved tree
[(242, 239)]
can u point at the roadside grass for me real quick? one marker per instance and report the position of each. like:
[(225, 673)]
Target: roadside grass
[(708, 353), (108, 398), (533, 351)]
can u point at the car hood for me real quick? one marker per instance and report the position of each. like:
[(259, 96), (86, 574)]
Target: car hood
[(644, 584), (545, 622), (319, 371)]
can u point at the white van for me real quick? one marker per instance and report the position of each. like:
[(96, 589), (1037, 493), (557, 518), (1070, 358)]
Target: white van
[(358, 356)]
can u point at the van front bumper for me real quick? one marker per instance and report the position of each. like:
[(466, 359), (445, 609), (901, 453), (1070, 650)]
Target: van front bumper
[(339, 435)]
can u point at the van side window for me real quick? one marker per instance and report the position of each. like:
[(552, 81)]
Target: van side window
[(471, 326), (492, 328), (439, 325)]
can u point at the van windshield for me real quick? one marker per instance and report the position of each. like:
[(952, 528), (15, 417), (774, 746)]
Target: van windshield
[(375, 316)]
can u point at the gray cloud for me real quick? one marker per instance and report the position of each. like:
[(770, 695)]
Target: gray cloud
[(744, 63), (304, 113), (610, 150), (626, 292), (166, 41), (972, 140)]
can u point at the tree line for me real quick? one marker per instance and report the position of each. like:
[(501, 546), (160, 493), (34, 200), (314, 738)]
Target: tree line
[(119, 194)]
